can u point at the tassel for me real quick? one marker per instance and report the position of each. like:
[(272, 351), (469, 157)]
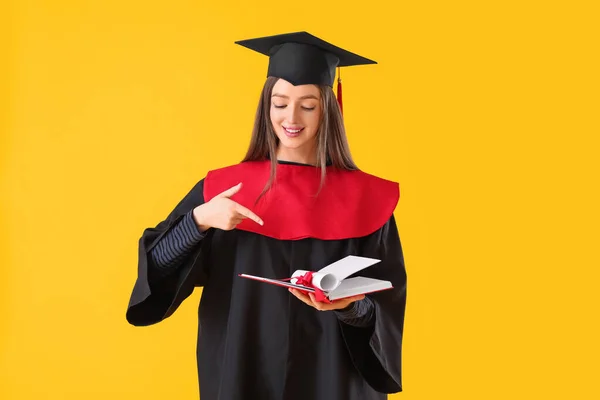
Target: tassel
[(339, 92)]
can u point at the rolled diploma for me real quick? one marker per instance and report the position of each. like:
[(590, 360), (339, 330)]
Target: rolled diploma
[(325, 282)]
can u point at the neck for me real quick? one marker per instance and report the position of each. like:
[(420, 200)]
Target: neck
[(302, 156)]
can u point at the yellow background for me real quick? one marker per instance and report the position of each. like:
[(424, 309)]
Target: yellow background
[(485, 112)]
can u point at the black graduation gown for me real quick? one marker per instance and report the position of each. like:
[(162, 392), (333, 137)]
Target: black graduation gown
[(257, 341)]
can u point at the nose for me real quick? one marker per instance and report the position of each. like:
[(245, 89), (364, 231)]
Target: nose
[(292, 115)]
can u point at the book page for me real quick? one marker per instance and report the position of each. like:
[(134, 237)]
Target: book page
[(358, 285), (347, 266)]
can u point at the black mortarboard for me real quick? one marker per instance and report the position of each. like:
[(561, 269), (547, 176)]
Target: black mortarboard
[(301, 58)]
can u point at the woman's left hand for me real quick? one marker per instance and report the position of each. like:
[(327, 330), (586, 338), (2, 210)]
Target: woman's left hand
[(336, 305)]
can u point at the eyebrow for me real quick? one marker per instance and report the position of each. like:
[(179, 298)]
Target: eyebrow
[(308, 96)]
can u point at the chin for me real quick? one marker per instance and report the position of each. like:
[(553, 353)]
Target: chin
[(292, 143)]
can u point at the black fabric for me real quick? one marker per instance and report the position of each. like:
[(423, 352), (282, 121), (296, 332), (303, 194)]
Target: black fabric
[(154, 295), (360, 313), (258, 341), (179, 242), (301, 58)]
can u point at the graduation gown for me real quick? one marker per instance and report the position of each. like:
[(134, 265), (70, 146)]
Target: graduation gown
[(258, 341)]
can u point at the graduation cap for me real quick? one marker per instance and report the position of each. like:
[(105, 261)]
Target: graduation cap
[(301, 58)]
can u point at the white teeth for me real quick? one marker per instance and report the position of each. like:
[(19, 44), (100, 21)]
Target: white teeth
[(292, 130)]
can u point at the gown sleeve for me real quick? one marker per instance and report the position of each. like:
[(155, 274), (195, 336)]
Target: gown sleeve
[(156, 295), (376, 350)]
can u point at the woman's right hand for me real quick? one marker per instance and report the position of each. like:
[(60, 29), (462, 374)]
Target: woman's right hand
[(223, 213)]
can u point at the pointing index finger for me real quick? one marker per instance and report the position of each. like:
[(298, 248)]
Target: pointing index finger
[(249, 214)]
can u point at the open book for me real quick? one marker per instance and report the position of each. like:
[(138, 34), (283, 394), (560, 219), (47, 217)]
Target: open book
[(331, 280)]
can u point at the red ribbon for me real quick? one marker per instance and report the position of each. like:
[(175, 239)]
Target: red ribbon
[(339, 95), (306, 280)]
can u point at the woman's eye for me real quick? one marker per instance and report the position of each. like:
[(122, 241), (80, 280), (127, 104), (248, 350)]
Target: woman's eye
[(285, 105)]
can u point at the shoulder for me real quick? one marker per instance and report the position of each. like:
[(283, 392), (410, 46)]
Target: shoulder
[(236, 172), (381, 191), (374, 181), (375, 198), (248, 167), (250, 173), (193, 198)]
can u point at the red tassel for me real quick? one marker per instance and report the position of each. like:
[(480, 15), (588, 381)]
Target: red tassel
[(339, 92)]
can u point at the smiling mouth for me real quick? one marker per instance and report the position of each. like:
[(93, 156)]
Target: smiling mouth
[(293, 131)]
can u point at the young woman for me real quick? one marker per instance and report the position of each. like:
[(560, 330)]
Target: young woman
[(296, 202)]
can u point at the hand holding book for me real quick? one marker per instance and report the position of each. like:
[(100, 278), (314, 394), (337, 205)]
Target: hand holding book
[(311, 300), (331, 282)]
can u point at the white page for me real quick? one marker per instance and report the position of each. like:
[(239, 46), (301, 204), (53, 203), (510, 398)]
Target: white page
[(358, 285), (347, 266)]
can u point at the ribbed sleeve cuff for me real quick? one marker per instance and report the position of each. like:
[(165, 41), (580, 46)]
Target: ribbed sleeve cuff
[(361, 313), (177, 243)]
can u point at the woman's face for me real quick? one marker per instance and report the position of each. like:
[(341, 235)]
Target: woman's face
[(296, 114)]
